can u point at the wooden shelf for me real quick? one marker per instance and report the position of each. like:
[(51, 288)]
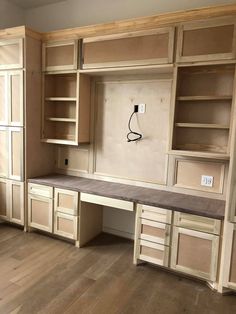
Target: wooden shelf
[(60, 99), (202, 126), (210, 155), (61, 119), (59, 141), (199, 98)]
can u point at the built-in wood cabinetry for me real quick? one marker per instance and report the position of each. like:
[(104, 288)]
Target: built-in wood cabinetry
[(206, 40), (11, 53)]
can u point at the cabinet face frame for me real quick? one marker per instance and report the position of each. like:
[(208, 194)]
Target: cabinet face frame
[(22, 201), (4, 130), (49, 203), (20, 64), (4, 121), (21, 98), (11, 174), (74, 219), (66, 210), (55, 44), (201, 25), (214, 256), (169, 59), (5, 217)]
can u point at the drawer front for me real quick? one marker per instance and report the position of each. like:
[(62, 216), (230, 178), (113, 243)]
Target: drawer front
[(154, 213), (66, 201), (106, 201), (154, 253), (198, 223), (154, 231), (66, 225), (40, 190), (40, 212)]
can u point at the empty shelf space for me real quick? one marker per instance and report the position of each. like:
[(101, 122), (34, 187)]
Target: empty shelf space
[(206, 97), (201, 125), (60, 99), (61, 119)]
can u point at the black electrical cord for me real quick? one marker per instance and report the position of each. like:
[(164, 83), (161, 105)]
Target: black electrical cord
[(137, 135)]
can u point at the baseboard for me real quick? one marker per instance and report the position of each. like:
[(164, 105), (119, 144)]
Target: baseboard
[(119, 233)]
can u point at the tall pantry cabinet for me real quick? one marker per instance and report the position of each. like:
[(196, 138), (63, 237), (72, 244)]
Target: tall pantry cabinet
[(20, 95)]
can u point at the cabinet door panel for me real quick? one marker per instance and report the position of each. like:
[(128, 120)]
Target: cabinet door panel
[(4, 152), (66, 201), (16, 98), (3, 199), (40, 212), (154, 231), (3, 99), (11, 53), (152, 252), (16, 202), (195, 253), (66, 225), (16, 170)]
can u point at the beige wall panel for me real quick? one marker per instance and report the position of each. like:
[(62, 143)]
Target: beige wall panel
[(78, 159), (145, 160), (3, 198), (194, 253), (188, 174)]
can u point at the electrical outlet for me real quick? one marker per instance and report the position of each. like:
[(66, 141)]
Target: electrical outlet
[(141, 108), (207, 181), (66, 162)]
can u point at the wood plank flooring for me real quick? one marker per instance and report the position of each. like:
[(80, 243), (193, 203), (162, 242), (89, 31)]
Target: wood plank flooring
[(39, 274)]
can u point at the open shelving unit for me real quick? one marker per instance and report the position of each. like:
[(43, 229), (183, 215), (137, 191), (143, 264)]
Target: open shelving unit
[(202, 117)]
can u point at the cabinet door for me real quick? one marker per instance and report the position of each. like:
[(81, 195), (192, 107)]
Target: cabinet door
[(40, 212), (230, 257), (206, 40), (3, 99), (3, 200), (11, 54), (16, 169), (66, 225), (195, 253), (66, 202), (4, 152), (15, 98), (16, 202), (60, 55)]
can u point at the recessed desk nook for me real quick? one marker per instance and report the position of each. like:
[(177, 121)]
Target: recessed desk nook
[(131, 126)]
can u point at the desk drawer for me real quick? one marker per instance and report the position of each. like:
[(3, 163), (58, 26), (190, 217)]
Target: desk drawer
[(66, 201), (155, 231), (155, 213), (154, 253), (40, 190), (66, 225), (198, 223), (106, 201)]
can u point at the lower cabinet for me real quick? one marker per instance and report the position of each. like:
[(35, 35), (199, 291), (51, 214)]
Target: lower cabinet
[(231, 276), (12, 201), (66, 225), (195, 253)]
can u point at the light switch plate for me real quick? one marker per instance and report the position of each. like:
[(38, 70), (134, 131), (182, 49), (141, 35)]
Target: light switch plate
[(207, 181)]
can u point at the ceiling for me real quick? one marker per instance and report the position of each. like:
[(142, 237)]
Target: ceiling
[(29, 4)]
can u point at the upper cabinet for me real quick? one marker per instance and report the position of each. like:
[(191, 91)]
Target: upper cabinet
[(11, 54), (58, 56), (136, 48), (206, 40)]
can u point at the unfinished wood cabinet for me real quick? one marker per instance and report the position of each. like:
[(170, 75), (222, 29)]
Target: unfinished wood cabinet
[(60, 55), (154, 213), (66, 108), (66, 225), (195, 253), (231, 274), (66, 201), (206, 40), (16, 202), (4, 152), (3, 99), (134, 48), (16, 160), (11, 53), (203, 110), (40, 208), (4, 212)]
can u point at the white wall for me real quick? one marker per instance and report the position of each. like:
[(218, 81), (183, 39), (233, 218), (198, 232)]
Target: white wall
[(10, 15), (72, 13)]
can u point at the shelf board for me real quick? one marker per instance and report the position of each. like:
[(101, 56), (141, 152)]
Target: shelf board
[(199, 98), (59, 141), (61, 119), (202, 126), (210, 155), (60, 99)]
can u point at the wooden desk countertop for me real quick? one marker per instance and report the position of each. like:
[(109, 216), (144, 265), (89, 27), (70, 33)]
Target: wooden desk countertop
[(195, 205)]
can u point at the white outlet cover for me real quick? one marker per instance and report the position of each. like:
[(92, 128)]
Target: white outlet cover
[(141, 108), (207, 180)]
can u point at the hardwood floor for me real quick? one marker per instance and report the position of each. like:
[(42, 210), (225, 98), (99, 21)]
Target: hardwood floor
[(39, 274)]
